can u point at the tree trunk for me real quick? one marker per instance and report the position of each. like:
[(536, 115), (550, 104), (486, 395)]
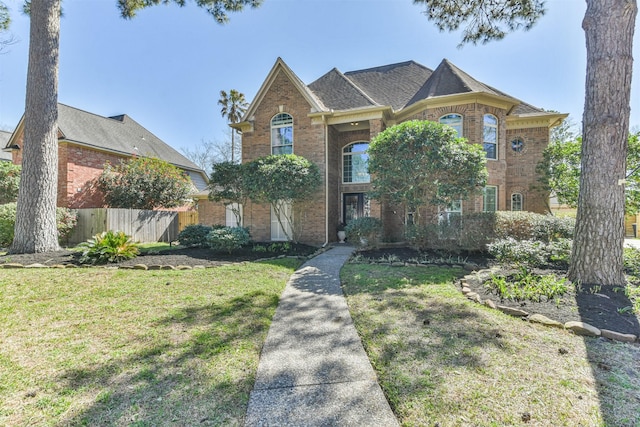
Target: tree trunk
[(35, 229), (599, 236)]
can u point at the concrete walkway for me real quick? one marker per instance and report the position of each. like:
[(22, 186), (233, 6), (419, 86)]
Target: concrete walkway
[(313, 370)]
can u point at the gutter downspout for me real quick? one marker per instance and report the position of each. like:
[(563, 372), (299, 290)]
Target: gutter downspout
[(326, 185)]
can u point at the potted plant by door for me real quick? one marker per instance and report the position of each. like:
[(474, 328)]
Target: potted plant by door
[(341, 233)]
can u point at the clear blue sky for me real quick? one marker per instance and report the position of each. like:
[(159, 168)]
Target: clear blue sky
[(166, 67)]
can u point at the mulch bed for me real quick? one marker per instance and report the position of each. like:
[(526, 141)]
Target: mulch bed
[(603, 307)]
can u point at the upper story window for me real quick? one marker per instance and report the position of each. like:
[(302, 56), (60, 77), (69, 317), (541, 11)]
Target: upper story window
[(490, 136), (453, 120), (354, 163), (282, 134)]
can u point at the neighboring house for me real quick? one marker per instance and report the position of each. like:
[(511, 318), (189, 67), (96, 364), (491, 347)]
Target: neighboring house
[(331, 121), (86, 141), (5, 156)]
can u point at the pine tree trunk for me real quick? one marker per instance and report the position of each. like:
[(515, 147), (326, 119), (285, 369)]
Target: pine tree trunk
[(599, 237), (35, 229)]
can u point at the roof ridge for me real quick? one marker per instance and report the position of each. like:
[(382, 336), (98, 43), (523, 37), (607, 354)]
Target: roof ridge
[(411, 61), (356, 87)]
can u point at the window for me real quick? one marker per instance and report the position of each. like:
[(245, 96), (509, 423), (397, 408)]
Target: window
[(281, 231), (354, 163), (282, 134), (490, 136), (490, 199), (233, 215), (517, 145), (453, 120), (517, 202), (451, 213)]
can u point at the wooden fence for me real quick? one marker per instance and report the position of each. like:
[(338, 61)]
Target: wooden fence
[(144, 226)]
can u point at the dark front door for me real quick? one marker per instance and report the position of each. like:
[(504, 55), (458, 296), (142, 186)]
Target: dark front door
[(354, 205)]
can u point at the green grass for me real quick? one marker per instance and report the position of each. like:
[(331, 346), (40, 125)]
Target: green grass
[(443, 360), (123, 347)]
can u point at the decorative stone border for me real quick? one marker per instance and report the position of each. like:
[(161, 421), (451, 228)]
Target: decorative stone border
[(578, 328)]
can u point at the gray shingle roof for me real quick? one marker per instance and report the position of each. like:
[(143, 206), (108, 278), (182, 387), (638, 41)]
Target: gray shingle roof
[(120, 134), (399, 86)]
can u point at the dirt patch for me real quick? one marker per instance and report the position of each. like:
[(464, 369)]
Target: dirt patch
[(603, 307)]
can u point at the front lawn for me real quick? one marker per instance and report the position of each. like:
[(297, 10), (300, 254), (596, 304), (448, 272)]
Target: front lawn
[(443, 360), (124, 347)]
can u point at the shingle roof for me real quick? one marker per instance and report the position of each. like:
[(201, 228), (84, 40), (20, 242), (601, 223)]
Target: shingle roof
[(399, 86), (120, 134)]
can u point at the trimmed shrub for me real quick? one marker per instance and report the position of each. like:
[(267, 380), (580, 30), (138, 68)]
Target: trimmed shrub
[(195, 235), (532, 253), (66, 220), (365, 231), (533, 226), (467, 232), (108, 247), (228, 239)]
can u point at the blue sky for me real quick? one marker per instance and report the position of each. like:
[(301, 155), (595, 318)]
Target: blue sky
[(166, 67)]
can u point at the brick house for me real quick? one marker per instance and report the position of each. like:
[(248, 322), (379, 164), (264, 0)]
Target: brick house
[(331, 121), (86, 141)]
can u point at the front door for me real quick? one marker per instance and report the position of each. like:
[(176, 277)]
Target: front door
[(355, 205)]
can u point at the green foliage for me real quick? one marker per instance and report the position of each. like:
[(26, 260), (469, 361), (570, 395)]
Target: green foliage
[(364, 231), (9, 182), (486, 20), (144, 183), (195, 235), (420, 163), (280, 180), (466, 232), (532, 253), (527, 286), (216, 8), (66, 220), (108, 247), (529, 225), (5, 18), (228, 239), (560, 168), (631, 257), (226, 185)]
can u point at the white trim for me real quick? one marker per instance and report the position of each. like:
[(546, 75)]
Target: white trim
[(492, 126)]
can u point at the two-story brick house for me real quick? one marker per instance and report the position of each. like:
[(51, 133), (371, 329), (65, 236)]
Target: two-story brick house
[(331, 121), (86, 141)]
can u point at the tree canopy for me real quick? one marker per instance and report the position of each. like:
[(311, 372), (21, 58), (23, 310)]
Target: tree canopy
[(420, 163), (144, 183), (226, 185)]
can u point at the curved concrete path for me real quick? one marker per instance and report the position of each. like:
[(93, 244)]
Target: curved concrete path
[(313, 370)]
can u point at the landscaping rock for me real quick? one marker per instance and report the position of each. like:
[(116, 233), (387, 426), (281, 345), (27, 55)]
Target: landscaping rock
[(465, 290), (36, 265), (473, 296), (490, 303), (168, 267), (512, 311), (12, 265), (617, 336), (184, 267), (155, 267), (140, 267), (544, 320), (582, 328)]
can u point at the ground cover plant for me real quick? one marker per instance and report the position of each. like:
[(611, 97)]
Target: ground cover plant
[(115, 347), (443, 360)]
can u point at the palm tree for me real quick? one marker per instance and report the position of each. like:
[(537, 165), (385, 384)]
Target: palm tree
[(234, 105)]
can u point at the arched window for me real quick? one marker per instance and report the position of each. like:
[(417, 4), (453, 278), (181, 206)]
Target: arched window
[(490, 136), (354, 163), (282, 134), (453, 120), (517, 202)]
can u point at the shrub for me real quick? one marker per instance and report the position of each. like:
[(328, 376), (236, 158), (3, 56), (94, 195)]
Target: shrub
[(195, 235), (109, 247), (467, 232), (66, 220), (533, 226), (533, 253), (365, 231), (524, 285), (228, 238)]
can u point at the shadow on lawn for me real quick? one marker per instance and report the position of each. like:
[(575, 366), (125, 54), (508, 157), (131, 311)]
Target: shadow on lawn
[(199, 373)]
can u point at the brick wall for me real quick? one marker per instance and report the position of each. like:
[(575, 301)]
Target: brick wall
[(308, 141), (211, 213)]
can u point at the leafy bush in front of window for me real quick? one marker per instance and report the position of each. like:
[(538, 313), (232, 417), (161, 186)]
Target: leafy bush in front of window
[(195, 235), (108, 247), (364, 231), (532, 253), (533, 226), (467, 232), (66, 220), (228, 239)]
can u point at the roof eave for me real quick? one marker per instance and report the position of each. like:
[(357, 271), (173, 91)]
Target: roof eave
[(531, 120)]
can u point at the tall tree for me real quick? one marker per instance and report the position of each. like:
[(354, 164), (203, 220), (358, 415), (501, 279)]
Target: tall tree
[(234, 105), (35, 229), (609, 27)]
